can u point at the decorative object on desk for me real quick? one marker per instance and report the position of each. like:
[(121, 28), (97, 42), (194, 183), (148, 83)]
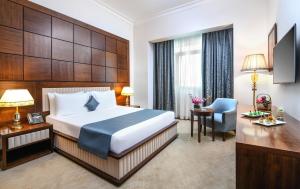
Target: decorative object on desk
[(269, 121), (272, 41), (35, 118), (197, 101), (127, 91), (280, 114), (254, 63), (263, 102), (16, 98), (255, 114)]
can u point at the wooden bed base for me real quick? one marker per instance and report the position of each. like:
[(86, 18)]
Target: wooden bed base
[(117, 168)]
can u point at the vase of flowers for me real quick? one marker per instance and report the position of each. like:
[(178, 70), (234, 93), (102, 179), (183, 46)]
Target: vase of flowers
[(197, 101), (263, 102)]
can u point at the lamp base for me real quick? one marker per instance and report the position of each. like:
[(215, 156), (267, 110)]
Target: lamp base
[(17, 118)]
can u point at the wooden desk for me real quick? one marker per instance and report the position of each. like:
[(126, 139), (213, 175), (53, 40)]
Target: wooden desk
[(267, 157)]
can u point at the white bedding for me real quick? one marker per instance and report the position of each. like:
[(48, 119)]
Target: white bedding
[(121, 140)]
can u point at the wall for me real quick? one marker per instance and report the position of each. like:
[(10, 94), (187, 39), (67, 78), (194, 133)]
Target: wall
[(92, 13), (286, 13), (251, 28)]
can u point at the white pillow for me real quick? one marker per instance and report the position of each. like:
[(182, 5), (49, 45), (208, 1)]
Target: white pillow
[(51, 98), (71, 103), (106, 99)]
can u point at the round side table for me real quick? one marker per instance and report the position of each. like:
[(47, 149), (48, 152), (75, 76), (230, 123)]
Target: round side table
[(203, 112)]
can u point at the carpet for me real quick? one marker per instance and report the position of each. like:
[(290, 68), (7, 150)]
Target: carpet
[(184, 164)]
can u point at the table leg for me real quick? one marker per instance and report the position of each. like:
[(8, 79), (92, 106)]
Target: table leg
[(204, 126), (199, 128), (213, 126), (192, 123)]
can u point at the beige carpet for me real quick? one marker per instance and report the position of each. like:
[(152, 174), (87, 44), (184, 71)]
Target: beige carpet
[(185, 163)]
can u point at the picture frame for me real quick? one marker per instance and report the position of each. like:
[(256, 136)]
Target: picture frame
[(272, 41)]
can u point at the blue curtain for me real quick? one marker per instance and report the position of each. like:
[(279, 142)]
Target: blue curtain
[(164, 76), (217, 60)]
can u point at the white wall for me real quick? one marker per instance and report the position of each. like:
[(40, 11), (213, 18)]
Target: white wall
[(286, 14), (251, 26), (88, 11)]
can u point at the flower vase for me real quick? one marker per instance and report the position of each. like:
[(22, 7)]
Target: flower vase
[(197, 106)]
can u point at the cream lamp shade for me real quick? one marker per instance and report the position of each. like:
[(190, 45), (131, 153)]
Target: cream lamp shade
[(16, 97), (254, 62), (127, 91)]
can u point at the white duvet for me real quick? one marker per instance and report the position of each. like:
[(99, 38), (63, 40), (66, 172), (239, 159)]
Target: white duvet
[(121, 140)]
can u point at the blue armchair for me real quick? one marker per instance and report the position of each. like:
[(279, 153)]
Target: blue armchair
[(225, 115)]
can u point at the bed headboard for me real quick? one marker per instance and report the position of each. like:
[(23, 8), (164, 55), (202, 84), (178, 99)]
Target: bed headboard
[(45, 92)]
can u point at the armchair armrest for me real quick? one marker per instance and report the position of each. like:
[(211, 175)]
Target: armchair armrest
[(229, 118)]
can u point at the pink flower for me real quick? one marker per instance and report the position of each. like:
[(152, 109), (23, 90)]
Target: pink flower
[(197, 100)]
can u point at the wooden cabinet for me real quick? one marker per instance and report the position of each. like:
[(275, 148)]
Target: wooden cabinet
[(23, 145)]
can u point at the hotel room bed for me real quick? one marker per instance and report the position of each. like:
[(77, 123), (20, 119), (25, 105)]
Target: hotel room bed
[(130, 148)]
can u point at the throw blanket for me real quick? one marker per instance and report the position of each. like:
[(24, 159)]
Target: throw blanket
[(96, 137)]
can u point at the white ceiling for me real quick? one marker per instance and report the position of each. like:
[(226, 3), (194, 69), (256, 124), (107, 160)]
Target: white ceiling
[(141, 10)]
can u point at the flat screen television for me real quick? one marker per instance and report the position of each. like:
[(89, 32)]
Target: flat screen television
[(284, 67)]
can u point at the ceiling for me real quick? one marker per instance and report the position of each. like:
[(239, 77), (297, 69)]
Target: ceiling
[(141, 10)]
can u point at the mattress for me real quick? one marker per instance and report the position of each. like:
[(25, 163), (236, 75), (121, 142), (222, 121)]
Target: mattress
[(121, 140)]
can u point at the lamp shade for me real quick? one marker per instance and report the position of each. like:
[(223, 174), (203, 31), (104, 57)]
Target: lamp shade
[(254, 62), (16, 97), (127, 91)]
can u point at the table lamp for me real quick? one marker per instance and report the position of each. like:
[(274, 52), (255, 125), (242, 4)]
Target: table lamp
[(127, 91), (16, 98), (254, 63)]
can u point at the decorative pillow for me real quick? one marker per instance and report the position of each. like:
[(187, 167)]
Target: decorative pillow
[(51, 97), (70, 103), (92, 104), (106, 98)]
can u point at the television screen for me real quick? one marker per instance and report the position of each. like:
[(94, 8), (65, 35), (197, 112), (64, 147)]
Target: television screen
[(284, 68)]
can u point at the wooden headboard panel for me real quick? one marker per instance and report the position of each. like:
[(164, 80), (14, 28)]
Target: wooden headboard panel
[(41, 48)]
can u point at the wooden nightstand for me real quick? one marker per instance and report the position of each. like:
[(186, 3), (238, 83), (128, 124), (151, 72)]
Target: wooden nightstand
[(26, 144)]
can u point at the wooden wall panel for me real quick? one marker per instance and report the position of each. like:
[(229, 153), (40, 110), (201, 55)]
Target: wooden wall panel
[(122, 62), (121, 48), (37, 45), (111, 44), (11, 40), (62, 50), (123, 76), (98, 73), (98, 40), (111, 75), (62, 29), (98, 57), (37, 22), (53, 44), (62, 71), (37, 69), (11, 67), (82, 72), (82, 36), (11, 14), (111, 60), (82, 54)]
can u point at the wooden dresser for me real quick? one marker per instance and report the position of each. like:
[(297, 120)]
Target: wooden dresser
[(267, 157)]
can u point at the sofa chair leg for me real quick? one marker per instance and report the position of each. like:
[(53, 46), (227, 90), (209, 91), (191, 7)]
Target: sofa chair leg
[(224, 135)]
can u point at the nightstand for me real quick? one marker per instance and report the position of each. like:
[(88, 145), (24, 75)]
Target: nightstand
[(19, 146)]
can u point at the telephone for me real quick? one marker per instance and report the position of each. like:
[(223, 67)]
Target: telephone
[(35, 118)]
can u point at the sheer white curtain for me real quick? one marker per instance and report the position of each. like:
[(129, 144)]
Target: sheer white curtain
[(188, 73)]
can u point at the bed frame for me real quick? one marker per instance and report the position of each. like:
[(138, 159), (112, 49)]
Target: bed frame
[(117, 168)]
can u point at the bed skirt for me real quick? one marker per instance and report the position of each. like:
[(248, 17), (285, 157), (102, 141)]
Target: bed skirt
[(117, 167)]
